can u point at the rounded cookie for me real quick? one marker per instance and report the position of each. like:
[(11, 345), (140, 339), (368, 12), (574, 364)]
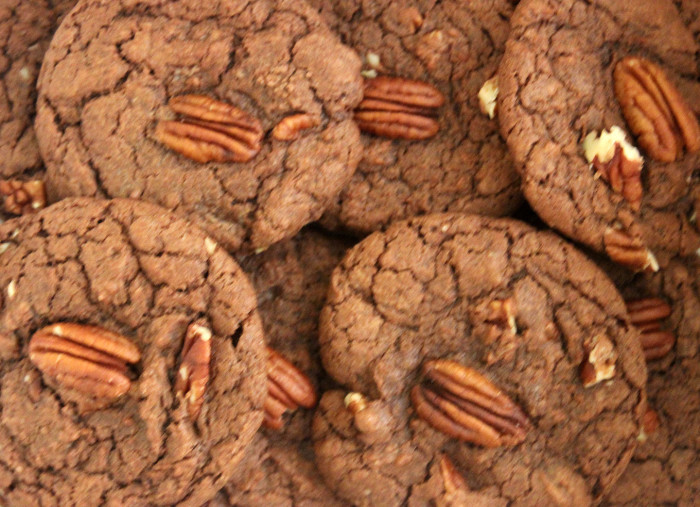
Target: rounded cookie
[(557, 86), (163, 414), (116, 72), (521, 313), (454, 46), (291, 281)]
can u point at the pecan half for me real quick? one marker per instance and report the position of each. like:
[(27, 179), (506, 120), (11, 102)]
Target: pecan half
[(193, 374), (399, 108), (210, 130), (463, 404), (23, 197), (654, 109), (646, 315), (289, 128), (89, 359), (629, 251), (600, 361), (287, 389)]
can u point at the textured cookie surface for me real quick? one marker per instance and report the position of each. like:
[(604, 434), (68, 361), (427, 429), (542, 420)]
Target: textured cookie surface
[(455, 46), (556, 86), (137, 270), (425, 289), (113, 67)]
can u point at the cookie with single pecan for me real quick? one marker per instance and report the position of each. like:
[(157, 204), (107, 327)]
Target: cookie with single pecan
[(428, 146), (133, 363), (182, 104), (486, 341), (598, 114)]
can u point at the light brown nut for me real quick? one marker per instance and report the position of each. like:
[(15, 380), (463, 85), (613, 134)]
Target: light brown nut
[(399, 108), (600, 361), (288, 389), (210, 131), (654, 109), (646, 315), (629, 251), (465, 405), (89, 359), (289, 128), (23, 197), (453, 480), (193, 374)]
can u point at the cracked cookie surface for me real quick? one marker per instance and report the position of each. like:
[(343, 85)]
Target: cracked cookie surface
[(455, 46), (113, 66), (138, 270), (422, 290), (556, 83)]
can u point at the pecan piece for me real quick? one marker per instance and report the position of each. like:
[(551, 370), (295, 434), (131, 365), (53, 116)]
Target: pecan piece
[(399, 108), (453, 480), (287, 389), (646, 315), (463, 404), (600, 361), (23, 197), (655, 110), (289, 128), (629, 251), (210, 131), (193, 374), (89, 359)]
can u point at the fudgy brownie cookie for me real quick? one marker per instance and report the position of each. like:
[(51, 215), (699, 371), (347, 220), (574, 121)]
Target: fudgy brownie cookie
[(438, 307), (454, 46), (26, 27), (573, 69), (234, 114), (133, 366), (291, 282)]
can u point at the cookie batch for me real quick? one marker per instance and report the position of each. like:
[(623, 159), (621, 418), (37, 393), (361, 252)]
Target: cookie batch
[(346, 253)]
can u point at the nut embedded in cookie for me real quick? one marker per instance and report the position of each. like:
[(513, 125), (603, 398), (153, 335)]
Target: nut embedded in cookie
[(646, 315), (22, 197), (288, 389), (193, 374), (629, 251)]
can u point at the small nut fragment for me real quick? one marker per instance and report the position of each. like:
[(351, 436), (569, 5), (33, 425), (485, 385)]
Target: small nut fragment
[(288, 389), (463, 404), (211, 131), (399, 108), (629, 251), (23, 197), (89, 359), (452, 479), (599, 364), (646, 315), (617, 162), (655, 110), (193, 374), (487, 97), (289, 128)]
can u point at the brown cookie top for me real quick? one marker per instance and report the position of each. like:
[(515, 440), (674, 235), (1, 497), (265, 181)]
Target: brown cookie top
[(455, 46), (133, 269), (520, 307), (114, 68), (26, 27), (557, 86)]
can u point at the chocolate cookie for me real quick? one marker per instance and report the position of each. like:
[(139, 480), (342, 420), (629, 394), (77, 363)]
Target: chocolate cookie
[(169, 101), (291, 281), (454, 46), (133, 367), (573, 69), (26, 27), (505, 338)]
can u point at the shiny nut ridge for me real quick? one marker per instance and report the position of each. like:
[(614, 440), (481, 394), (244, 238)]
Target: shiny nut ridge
[(193, 374), (290, 127), (599, 364), (287, 389), (646, 315), (210, 130), (89, 359), (399, 108), (629, 251), (463, 404), (655, 110), (23, 197)]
